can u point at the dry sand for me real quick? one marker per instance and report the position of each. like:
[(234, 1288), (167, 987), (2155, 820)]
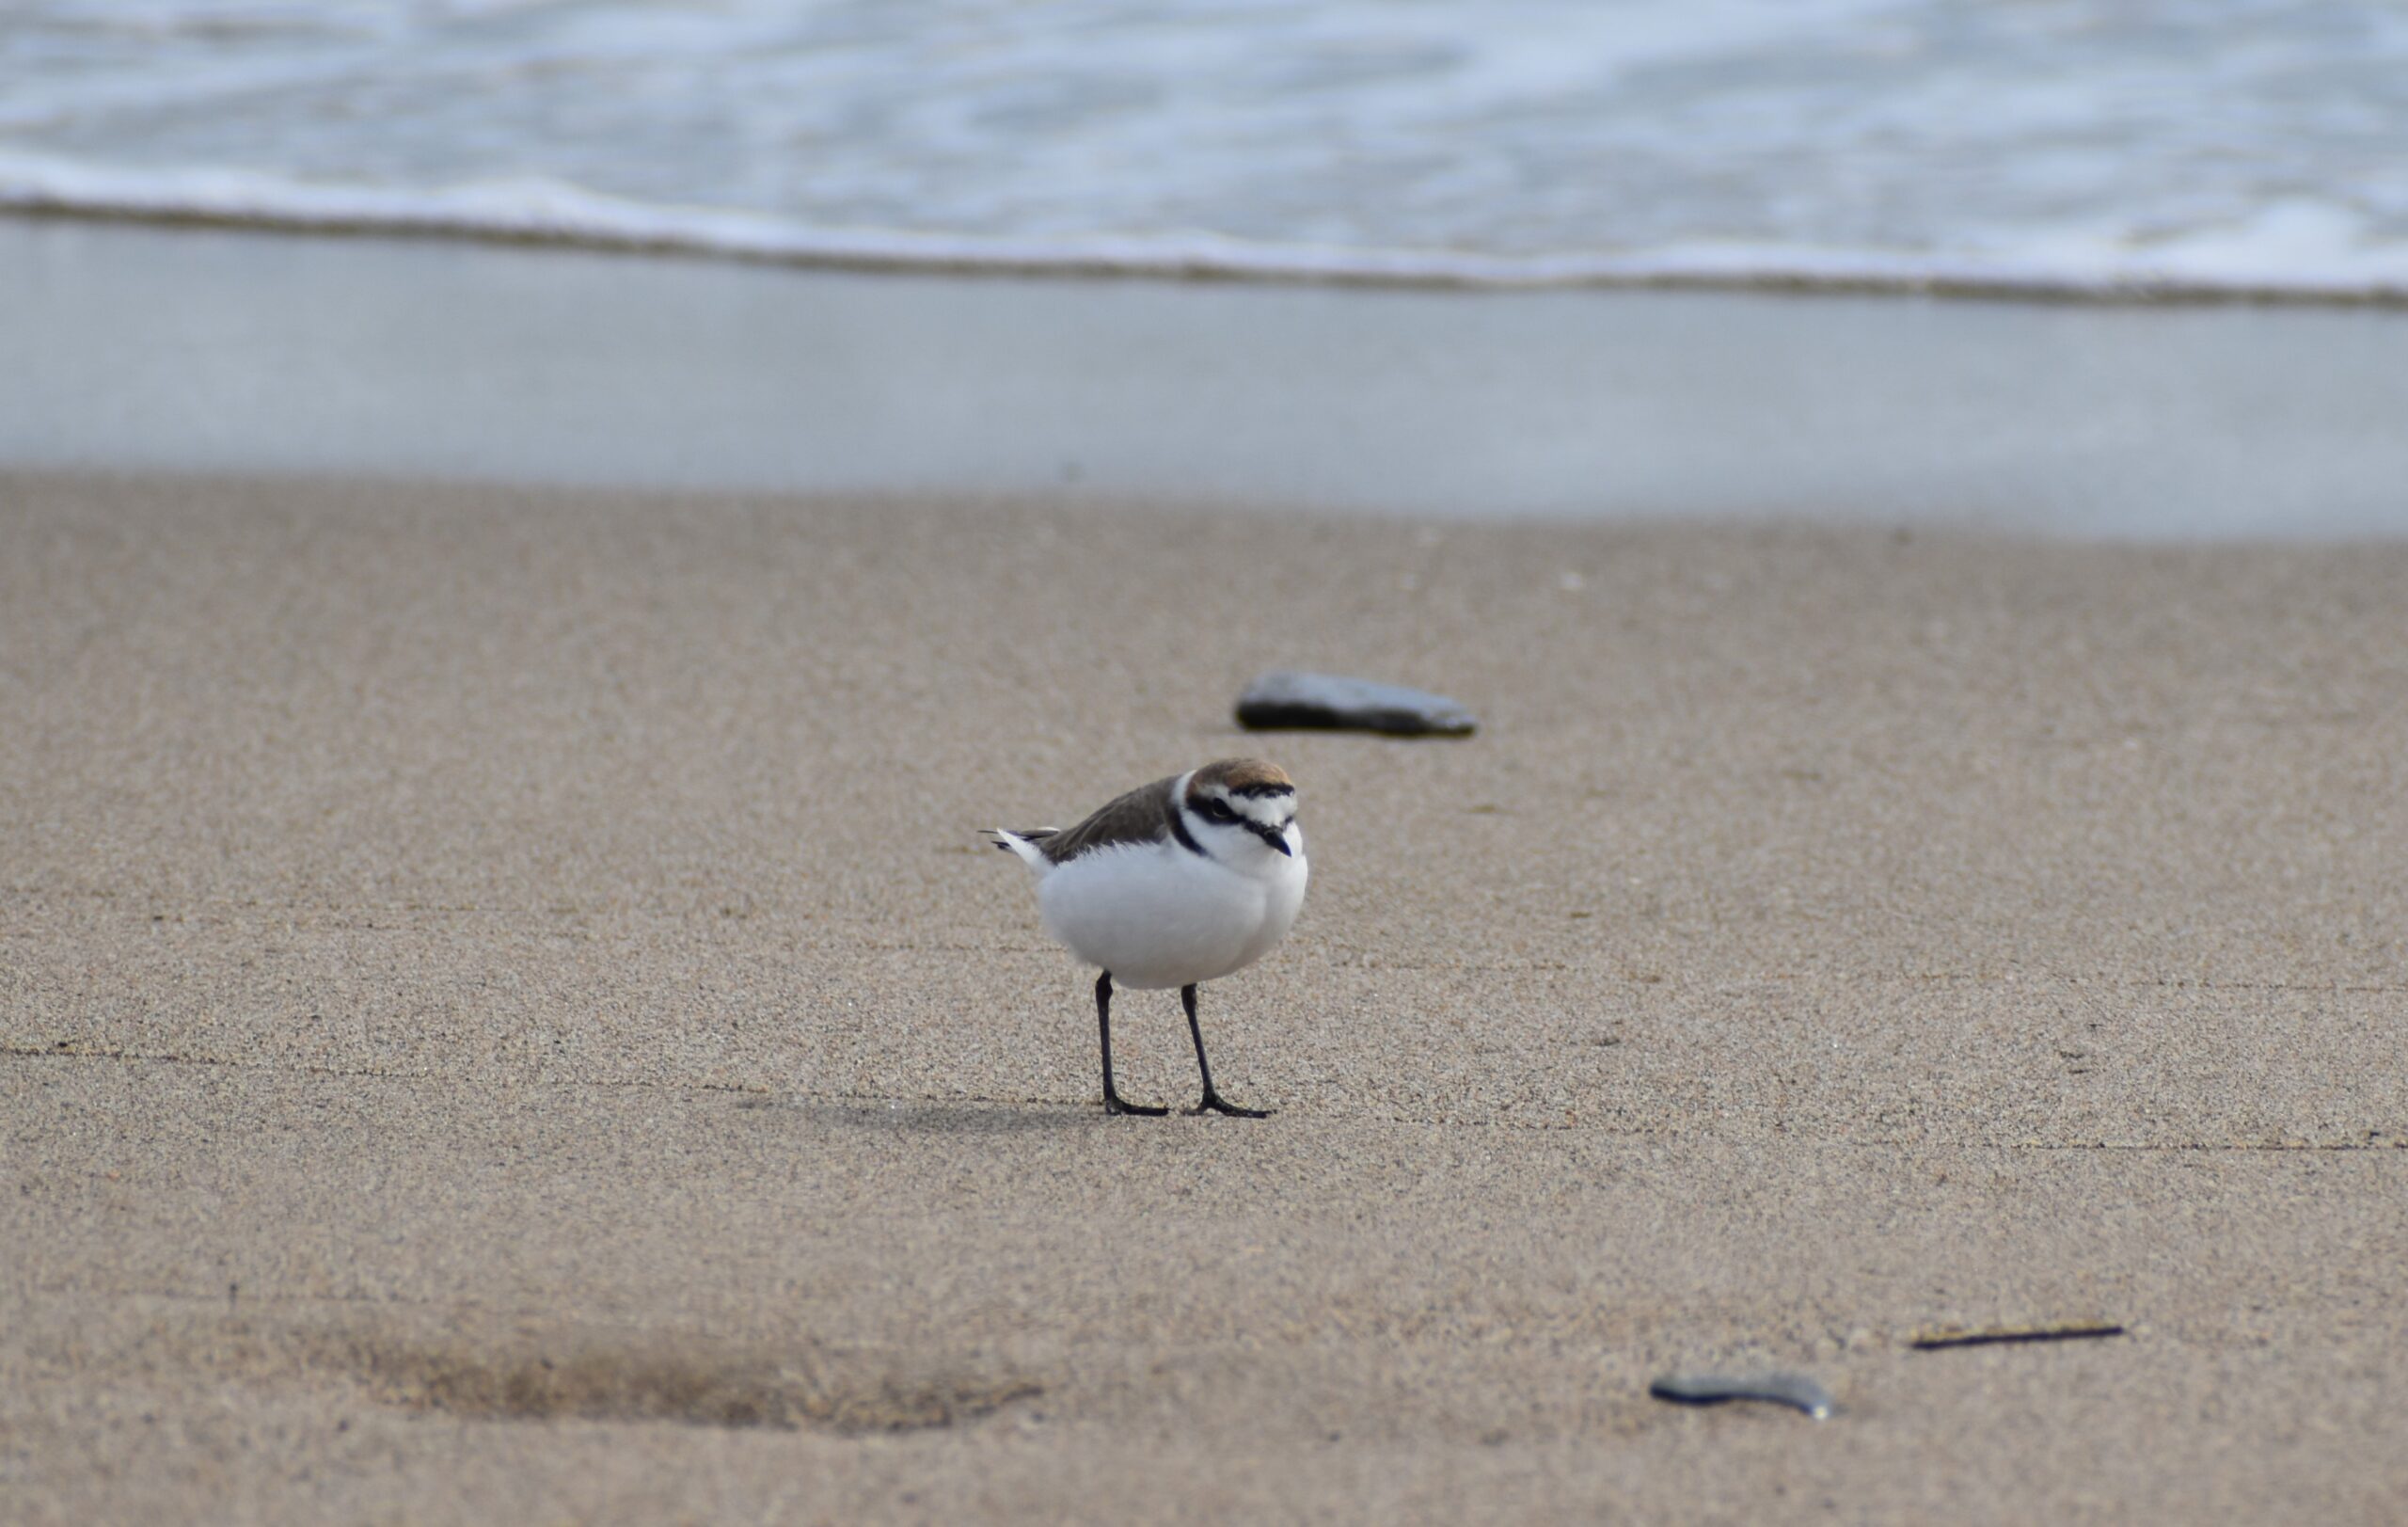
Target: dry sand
[(507, 1018)]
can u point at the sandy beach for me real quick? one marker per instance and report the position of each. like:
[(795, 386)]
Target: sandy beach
[(507, 1017)]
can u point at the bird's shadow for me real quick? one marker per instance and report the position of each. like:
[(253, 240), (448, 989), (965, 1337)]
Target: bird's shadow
[(919, 1117)]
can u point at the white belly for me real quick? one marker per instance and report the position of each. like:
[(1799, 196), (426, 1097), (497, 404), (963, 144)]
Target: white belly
[(1160, 915)]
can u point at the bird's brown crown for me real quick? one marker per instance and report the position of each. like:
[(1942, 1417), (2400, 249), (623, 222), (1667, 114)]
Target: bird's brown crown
[(1243, 776)]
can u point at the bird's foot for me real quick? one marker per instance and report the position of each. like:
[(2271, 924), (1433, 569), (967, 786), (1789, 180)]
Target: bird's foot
[(1214, 1102), (1113, 1103)]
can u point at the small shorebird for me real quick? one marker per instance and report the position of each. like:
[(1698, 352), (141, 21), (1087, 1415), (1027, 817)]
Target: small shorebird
[(1175, 883)]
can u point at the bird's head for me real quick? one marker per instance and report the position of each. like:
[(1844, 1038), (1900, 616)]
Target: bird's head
[(1245, 804)]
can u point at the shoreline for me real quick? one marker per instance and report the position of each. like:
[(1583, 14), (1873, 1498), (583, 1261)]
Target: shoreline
[(240, 352), (749, 238)]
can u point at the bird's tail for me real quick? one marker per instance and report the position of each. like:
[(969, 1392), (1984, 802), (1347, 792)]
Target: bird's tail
[(1023, 843)]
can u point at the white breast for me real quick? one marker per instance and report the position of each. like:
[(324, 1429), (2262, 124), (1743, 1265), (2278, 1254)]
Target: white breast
[(1158, 915)]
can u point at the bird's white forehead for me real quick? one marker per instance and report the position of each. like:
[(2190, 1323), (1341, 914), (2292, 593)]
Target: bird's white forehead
[(1274, 810)]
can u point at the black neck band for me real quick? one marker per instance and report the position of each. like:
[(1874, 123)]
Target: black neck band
[(1179, 830)]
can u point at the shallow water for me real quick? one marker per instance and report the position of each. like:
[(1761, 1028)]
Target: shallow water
[(2076, 145)]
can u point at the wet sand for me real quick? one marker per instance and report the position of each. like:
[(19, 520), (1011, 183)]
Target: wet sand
[(506, 1016), (232, 351)]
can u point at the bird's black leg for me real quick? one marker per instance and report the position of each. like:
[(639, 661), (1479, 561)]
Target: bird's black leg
[(1213, 1102), (1112, 1102)]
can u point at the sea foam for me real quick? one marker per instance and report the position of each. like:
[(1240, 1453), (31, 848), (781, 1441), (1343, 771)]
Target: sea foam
[(2083, 149)]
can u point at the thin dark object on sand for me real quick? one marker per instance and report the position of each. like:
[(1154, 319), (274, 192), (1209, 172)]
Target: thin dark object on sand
[(1796, 1390), (1934, 1340)]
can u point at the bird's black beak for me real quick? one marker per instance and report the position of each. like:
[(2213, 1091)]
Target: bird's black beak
[(1278, 840)]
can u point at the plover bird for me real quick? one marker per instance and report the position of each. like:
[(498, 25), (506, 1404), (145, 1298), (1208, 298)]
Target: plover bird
[(1175, 883)]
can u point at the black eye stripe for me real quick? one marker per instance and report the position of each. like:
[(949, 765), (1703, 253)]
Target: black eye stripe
[(1221, 813)]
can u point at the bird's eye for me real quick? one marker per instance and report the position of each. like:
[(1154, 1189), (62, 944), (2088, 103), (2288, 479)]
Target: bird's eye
[(1218, 811)]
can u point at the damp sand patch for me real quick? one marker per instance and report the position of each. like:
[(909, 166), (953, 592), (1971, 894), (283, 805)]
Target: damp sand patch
[(588, 1376), (532, 1372)]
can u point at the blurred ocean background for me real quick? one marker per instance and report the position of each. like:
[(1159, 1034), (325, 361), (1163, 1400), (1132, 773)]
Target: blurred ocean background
[(2253, 145)]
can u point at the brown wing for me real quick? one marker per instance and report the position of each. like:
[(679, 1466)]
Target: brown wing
[(1142, 816)]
